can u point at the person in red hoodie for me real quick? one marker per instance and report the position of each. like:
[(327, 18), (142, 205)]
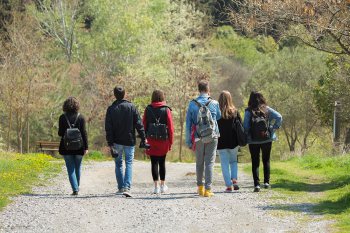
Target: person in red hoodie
[(159, 128)]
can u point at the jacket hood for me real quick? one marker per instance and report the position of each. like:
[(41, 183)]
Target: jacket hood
[(158, 104)]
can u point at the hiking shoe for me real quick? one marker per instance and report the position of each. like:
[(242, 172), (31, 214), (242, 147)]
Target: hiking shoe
[(201, 190), (156, 190), (267, 186), (228, 190), (208, 193), (235, 187), (257, 189), (163, 188), (75, 193)]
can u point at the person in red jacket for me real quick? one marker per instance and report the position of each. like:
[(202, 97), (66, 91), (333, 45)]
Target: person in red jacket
[(159, 127)]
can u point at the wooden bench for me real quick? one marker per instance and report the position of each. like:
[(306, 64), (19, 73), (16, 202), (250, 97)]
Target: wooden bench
[(47, 146)]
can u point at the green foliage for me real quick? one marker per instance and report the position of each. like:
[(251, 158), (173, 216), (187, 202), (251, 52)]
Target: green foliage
[(242, 48), (320, 180), (96, 156), (18, 172)]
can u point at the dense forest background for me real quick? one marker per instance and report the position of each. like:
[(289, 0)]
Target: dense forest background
[(295, 52)]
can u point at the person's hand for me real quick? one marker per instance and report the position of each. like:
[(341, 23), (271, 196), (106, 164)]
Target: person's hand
[(190, 145), (86, 152)]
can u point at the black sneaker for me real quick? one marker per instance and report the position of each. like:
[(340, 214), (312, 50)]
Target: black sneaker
[(75, 193), (267, 186), (257, 189)]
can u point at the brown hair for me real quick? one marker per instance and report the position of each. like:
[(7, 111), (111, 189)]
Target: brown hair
[(71, 105), (119, 92), (257, 102), (203, 86), (228, 110), (158, 96)]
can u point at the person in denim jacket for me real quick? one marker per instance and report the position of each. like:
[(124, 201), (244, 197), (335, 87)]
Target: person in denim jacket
[(205, 152), (257, 102)]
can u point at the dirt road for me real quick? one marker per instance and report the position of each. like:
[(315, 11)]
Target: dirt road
[(98, 209)]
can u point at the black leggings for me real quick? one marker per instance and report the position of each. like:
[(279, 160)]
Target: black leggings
[(158, 160), (255, 155)]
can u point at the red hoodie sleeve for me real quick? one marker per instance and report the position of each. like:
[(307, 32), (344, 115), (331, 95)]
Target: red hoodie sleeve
[(170, 126), (144, 120)]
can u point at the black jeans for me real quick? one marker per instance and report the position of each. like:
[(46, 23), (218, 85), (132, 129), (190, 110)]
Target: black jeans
[(158, 167), (255, 155)]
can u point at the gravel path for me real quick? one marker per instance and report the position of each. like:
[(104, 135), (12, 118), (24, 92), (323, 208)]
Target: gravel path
[(99, 209)]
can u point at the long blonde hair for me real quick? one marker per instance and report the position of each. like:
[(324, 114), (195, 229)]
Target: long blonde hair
[(228, 110)]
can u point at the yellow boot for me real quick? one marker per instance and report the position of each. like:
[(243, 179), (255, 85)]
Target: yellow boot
[(201, 190), (208, 193)]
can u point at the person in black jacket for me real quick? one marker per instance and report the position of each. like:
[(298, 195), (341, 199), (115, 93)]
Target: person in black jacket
[(73, 158), (122, 118), (228, 143)]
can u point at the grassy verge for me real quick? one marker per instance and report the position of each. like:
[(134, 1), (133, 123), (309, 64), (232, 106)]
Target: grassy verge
[(320, 184), (19, 172)]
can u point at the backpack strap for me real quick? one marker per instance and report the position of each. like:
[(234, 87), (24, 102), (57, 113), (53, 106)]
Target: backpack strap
[(65, 116), (151, 110), (75, 122), (197, 103), (201, 105), (76, 119)]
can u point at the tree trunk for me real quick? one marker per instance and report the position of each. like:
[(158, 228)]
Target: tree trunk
[(9, 129), (28, 134), (19, 132)]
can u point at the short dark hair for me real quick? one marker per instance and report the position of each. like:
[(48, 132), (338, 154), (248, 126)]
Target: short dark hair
[(71, 105), (203, 86), (158, 96), (119, 93)]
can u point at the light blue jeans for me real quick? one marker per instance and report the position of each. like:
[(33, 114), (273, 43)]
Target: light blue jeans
[(124, 180), (228, 159), (73, 164)]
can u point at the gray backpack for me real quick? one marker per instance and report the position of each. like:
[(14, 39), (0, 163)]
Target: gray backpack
[(205, 123)]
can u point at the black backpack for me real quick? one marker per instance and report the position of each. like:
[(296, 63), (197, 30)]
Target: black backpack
[(72, 138), (259, 126), (155, 128), (239, 131)]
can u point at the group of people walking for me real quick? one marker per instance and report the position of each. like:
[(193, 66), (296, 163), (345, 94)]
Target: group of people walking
[(210, 128)]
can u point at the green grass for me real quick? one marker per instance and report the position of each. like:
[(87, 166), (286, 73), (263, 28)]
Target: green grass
[(321, 183), (19, 172), (97, 156)]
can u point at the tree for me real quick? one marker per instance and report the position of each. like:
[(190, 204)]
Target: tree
[(22, 77), (321, 24), (288, 78), (58, 19)]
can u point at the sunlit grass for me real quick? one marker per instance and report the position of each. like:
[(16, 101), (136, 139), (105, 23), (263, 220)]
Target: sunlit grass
[(19, 172), (323, 182)]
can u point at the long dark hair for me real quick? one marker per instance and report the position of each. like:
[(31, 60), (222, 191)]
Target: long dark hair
[(257, 102)]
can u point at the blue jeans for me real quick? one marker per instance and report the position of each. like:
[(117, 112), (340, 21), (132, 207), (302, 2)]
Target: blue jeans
[(228, 159), (73, 164), (124, 180)]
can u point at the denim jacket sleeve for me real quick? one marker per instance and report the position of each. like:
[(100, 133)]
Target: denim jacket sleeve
[(189, 125), (246, 121), (276, 116), (218, 112)]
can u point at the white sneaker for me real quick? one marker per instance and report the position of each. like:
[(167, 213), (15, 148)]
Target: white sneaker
[(163, 188), (156, 190)]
